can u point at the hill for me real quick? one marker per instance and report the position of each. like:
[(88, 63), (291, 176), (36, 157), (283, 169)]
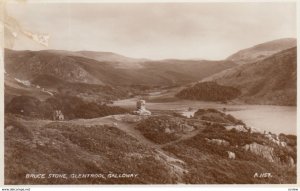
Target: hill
[(46, 86), (64, 148), (161, 149), (107, 69), (117, 60), (261, 51), (272, 80)]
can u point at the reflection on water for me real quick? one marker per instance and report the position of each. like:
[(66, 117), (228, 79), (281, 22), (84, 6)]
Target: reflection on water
[(276, 119)]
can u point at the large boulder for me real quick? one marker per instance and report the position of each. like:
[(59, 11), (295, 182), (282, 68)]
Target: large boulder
[(231, 155), (255, 130), (219, 142), (239, 128), (261, 150), (275, 139), (291, 162)]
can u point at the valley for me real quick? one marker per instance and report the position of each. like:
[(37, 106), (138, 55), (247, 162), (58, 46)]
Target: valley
[(200, 121)]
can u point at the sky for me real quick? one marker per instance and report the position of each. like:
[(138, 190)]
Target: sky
[(155, 30)]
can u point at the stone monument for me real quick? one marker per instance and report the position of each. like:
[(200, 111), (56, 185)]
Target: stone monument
[(141, 108)]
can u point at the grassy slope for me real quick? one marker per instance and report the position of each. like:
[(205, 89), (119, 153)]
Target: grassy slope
[(205, 166), (62, 148), (269, 81), (209, 163), (39, 146), (261, 51)]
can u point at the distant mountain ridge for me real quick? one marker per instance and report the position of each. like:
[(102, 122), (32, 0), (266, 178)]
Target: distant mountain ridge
[(111, 69), (261, 51), (263, 73), (117, 59)]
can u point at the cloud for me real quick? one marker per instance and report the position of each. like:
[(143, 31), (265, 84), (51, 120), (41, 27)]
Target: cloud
[(158, 30)]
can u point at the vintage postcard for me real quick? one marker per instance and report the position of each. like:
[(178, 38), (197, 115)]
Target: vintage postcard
[(149, 93)]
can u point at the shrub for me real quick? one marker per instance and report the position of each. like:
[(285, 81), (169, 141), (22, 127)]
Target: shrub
[(214, 115), (154, 128), (23, 105), (72, 107)]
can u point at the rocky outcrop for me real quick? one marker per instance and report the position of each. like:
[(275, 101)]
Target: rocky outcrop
[(219, 142), (255, 130), (231, 155), (24, 82), (187, 128), (275, 139), (183, 128), (239, 128), (291, 162), (261, 150)]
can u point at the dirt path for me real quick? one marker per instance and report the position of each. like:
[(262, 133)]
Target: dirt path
[(176, 166), (128, 128)]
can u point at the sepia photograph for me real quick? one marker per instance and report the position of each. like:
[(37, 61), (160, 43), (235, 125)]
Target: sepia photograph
[(164, 93)]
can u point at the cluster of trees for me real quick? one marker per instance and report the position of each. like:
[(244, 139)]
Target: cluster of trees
[(217, 116), (72, 107), (209, 91)]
